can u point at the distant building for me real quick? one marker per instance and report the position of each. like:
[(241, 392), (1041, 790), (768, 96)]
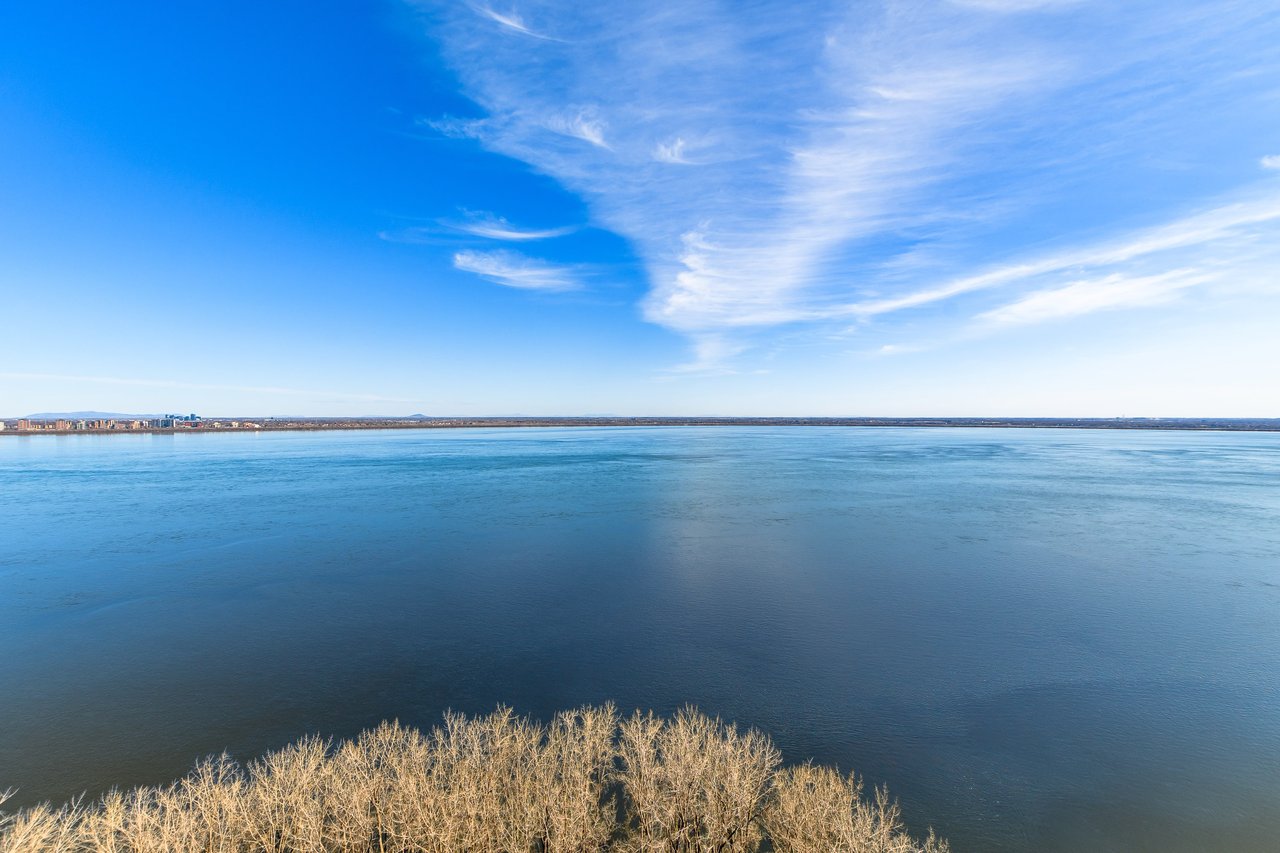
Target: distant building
[(23, 423), (171, 421)]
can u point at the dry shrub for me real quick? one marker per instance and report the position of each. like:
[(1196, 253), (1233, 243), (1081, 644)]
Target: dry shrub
[(39, 829), (201, 812), (374, 779), (493, 784), (289, 799), (693, 784), (572, 812), (816, 808)]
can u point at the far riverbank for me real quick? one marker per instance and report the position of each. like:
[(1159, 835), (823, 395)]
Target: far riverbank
[(51, 427)]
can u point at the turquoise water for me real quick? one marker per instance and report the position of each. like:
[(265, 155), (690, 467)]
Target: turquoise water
[(1048, 639)]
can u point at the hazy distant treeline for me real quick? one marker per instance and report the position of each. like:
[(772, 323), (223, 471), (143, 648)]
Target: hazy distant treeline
[(589, 781)]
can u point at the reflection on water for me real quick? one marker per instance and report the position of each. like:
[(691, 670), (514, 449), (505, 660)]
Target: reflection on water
[(1055, 639)]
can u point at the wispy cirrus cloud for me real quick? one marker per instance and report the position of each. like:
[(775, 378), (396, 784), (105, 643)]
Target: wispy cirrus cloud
[(1085, 297), (483, 225), (835, 143), (670, 152), (512, 21), (513, 269), (498, 228), (1229, 239), (585, 125)]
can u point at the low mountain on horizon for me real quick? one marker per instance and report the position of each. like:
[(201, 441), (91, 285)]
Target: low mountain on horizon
[(85, 416)]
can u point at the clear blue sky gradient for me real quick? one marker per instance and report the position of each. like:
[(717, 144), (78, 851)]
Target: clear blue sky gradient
[(989, 207)]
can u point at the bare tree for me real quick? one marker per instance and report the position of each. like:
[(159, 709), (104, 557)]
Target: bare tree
[(816, 808), (694, 784)]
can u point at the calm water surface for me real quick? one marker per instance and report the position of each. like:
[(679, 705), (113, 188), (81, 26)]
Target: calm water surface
[(1039, 639)]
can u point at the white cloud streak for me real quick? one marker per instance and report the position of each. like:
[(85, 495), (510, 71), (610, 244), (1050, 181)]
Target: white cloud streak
[(512, 21), (670, 152), (1085, 297), (485, 226), (584, 125), (1236, 229), (497, 228), (512, 269)]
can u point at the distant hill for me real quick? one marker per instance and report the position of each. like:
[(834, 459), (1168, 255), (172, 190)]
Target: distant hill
[(85, 416)]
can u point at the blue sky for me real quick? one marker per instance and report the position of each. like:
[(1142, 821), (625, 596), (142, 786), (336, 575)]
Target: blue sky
[(977, 207)]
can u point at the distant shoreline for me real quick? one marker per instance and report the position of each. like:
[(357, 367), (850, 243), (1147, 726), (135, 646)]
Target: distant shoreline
[(326, 424)]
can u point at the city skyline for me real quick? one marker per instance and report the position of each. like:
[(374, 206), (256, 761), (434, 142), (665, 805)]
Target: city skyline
[(1038, 208)]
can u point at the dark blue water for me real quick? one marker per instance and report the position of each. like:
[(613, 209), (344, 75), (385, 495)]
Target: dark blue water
[(1039, 639)]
